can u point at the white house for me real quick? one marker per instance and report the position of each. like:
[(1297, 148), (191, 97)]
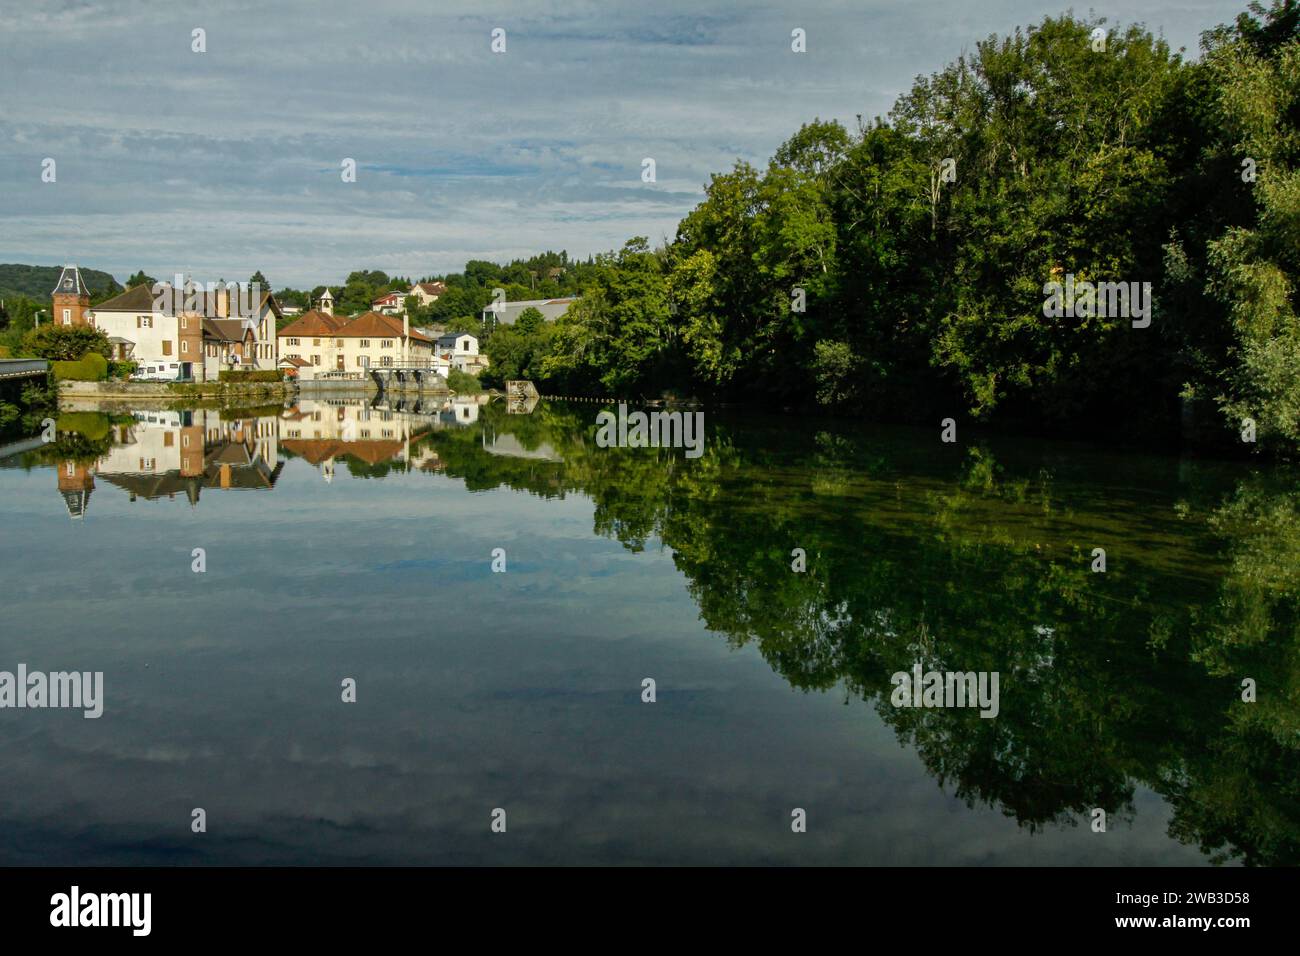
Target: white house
[(427, 293), (316, 342), (461, 350), (390, 303), (195, 343)]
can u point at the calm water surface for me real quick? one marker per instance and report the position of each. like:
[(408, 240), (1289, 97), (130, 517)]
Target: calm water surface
[(350, 541)]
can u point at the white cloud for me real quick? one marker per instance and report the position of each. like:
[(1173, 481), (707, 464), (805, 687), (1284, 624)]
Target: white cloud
[(228, 161)]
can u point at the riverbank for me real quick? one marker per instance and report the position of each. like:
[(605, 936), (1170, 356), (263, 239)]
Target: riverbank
[(233, 391)]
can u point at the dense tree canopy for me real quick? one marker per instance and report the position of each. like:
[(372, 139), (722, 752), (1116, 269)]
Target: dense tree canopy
[(905, 269)]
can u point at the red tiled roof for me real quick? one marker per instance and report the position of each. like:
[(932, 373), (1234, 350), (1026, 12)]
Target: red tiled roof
[(375, 325), (313, 323), (316, 450)]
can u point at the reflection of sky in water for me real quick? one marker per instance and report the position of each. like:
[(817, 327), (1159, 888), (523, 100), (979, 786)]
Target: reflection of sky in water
[(476, 690)]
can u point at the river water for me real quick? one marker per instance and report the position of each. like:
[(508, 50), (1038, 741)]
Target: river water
[(232, 573)]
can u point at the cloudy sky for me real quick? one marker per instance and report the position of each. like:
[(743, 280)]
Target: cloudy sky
[(228, 161)]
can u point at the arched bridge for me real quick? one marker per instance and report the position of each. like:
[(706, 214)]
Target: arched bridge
[(414, 375)]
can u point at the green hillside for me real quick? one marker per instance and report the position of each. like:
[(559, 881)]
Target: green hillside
[(36, 282)]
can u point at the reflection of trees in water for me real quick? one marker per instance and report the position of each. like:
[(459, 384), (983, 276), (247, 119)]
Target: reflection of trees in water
[(1240, 795), (81, 437), (1109, 681)]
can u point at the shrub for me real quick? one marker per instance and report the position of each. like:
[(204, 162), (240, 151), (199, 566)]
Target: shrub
[(66, 342), (97, 363), (122, 369), (462, 382), (91, 367), (248, 375)]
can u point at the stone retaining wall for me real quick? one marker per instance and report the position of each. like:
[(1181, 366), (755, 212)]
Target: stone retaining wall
[(166, 390)]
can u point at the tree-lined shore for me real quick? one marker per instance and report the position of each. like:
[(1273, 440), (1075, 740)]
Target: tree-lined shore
[(898, 270)]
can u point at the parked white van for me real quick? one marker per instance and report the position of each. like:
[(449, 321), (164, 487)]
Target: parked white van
[(160, 372)]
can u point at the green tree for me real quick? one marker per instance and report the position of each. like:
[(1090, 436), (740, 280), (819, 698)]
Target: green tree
[(618, 336), (66, 342), (519, 350), (1254, 268)]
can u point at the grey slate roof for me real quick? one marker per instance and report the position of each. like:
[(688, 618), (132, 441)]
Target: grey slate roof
[(70, 282)]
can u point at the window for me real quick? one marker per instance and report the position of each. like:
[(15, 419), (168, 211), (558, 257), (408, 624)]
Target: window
[(185, 346), (167, 347), (169, 439), (293, 342), (315, 341), (144, 321), (315, 360), (386, 344), (67, 316), (185, 324), (365, 343), (386, 360)]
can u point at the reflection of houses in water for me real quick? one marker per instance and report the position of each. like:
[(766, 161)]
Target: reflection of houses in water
[(76, 482), (164, 454), (508, 446), (459, 412), (385, 429), (323, 430), (439, 411)]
